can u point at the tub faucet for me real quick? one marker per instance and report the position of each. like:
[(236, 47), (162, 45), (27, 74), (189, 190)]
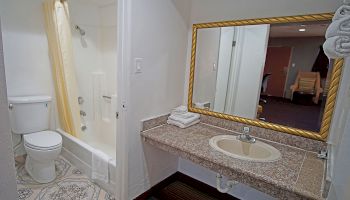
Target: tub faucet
[(245, 137)]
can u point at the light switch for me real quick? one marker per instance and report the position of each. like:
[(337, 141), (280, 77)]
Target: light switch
[(138, 65)]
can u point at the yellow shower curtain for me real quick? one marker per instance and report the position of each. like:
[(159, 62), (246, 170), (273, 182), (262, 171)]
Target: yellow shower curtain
[(58, 29)]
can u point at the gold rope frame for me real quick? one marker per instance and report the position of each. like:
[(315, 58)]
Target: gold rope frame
[(332, 94)]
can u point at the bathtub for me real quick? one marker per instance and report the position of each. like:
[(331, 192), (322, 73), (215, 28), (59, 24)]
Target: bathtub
[(79, 153)]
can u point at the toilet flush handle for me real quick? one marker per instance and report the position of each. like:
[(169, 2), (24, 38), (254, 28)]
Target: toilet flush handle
[(10, 106)]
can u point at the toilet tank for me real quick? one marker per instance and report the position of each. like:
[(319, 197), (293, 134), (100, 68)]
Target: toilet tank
[(29, 114)]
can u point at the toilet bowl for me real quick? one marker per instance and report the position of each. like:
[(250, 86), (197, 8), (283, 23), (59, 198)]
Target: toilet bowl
[(42, 149), (30, 118)]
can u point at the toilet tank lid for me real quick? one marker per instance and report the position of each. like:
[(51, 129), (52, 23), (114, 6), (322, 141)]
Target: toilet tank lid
[(29, 99)]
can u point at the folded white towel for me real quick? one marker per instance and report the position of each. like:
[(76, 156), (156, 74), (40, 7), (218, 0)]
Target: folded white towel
[(185, 121), (179, 110), (180, 125), (342, 11), (184, 115), (99, 166), (337, 47), (340, 27)]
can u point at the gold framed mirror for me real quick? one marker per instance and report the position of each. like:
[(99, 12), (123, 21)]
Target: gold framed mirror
[(327, 89)]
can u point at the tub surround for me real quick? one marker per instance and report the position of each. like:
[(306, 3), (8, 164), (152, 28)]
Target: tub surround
[(298, 174)]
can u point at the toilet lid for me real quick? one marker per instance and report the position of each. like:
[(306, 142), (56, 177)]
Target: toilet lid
[(43, 140)]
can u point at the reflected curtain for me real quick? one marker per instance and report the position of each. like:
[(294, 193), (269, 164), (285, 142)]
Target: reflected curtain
[(58, 30)]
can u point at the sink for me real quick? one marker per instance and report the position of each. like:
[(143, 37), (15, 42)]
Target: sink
[(231, 146)]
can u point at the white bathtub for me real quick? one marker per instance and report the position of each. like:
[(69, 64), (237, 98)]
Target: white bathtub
[(79, 153)]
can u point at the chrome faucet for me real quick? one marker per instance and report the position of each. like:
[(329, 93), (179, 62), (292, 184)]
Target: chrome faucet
[(245, 137)]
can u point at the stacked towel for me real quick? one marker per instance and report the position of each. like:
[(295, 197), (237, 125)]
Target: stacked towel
[(337, 44), (180, 117)]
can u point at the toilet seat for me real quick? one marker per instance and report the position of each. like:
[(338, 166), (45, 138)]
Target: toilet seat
[(44, 140)]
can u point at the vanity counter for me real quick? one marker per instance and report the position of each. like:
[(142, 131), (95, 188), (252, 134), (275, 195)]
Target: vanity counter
[(298, 174)]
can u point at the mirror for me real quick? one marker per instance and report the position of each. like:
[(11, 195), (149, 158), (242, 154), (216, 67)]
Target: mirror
[(274, 75)]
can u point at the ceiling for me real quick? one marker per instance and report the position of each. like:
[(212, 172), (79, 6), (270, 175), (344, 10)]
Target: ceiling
[(292, 30)]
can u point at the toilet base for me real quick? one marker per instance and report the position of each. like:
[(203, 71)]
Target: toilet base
[(41, 171)]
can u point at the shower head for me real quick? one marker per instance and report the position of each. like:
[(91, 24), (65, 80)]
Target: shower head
[(81, 31)]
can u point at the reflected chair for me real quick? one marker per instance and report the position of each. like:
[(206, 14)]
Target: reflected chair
[(308, 83)]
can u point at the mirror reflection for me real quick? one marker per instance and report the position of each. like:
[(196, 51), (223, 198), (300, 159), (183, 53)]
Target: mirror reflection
[(275, 73)]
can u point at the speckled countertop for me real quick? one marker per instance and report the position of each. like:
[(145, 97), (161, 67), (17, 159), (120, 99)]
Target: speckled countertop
[(297, 175)]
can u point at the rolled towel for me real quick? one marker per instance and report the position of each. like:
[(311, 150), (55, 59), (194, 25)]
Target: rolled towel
[(179, 110), (342, 11), (184, 115), (180, 125), (340, 27), (337, 47)]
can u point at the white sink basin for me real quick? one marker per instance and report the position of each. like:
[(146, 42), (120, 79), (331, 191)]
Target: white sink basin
[(231, 146)]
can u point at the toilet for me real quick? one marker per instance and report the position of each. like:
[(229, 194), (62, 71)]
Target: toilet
[(30, 117)]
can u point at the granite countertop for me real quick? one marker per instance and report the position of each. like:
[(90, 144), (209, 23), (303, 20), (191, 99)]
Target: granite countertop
[(297, 175)]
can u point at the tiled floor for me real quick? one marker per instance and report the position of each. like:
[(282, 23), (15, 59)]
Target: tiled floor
[(70, 184)]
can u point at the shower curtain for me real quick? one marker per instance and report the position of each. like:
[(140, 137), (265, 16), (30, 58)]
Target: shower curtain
[(58, 30)]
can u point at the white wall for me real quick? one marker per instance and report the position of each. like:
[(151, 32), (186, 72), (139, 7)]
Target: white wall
[(28, 69), (209, 11), (158, 34), (8, 187)]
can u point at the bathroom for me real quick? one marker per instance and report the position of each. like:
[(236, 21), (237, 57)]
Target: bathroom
[(132, 64)]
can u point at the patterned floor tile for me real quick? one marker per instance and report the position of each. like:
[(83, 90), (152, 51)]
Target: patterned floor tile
[(70, 184)]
